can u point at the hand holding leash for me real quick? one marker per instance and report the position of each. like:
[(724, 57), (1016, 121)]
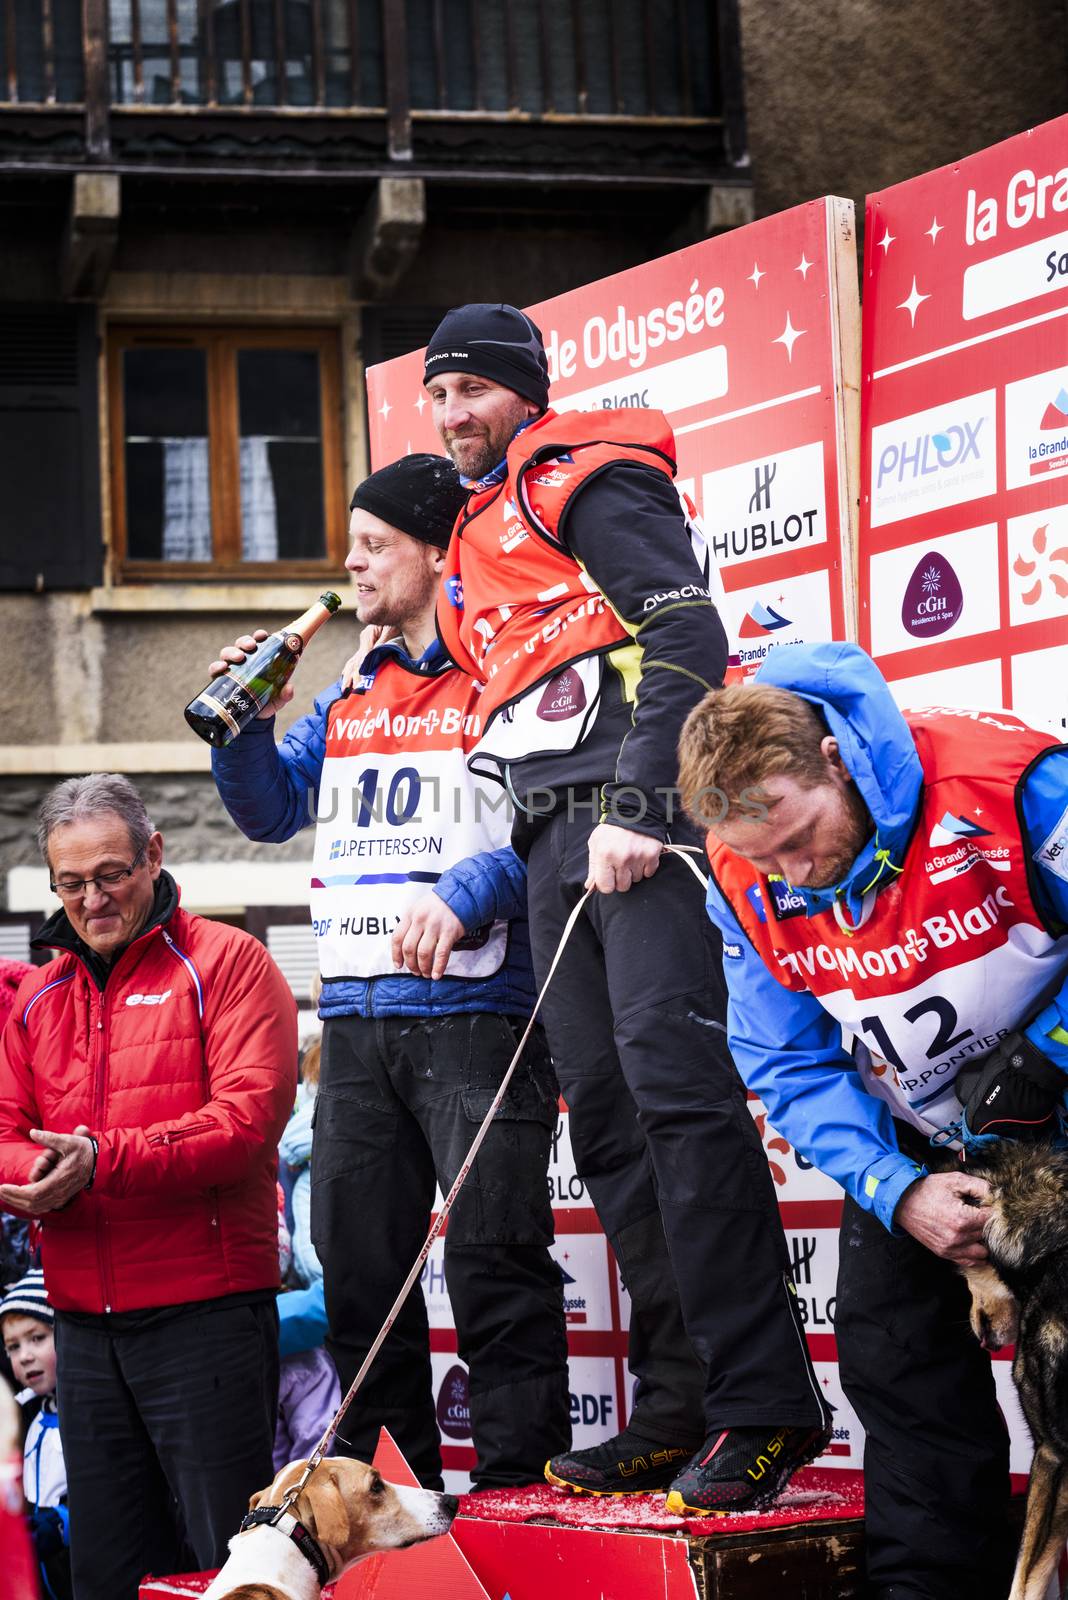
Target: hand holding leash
[(620, 858)]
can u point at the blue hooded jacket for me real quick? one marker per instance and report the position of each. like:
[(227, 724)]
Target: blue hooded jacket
[(271, 791), (788, 1049)]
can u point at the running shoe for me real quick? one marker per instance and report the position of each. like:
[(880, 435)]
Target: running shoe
[(743, 1469), (627, 1464)]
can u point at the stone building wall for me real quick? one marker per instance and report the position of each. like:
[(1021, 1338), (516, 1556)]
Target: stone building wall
[(850, 96)]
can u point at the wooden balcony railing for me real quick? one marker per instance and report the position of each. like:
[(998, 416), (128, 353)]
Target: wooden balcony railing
[(635, 61)]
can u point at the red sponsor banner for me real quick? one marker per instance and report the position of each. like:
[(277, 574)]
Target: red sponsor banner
[(963, 568), (963, 554), (749, 343)]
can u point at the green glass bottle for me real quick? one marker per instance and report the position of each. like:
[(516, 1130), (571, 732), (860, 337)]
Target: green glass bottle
[(230, 701)]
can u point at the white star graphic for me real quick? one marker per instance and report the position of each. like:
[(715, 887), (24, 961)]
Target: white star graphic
[(803, 267), (886, 241), (420, 403), (913, 303), (934, 230), (789, 337), (384, 410), (755, 276)]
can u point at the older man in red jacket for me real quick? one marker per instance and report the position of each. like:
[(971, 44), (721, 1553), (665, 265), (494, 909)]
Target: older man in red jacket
[(145, 1077)]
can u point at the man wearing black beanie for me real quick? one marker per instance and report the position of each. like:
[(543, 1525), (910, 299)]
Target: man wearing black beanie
[(411, 1063), (571, 592)]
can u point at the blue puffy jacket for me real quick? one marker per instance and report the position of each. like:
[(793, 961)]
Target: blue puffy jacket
[(787, 1047), (271, 792)]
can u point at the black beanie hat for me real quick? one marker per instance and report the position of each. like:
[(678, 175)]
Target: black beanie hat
[(419, 494), (495, 341)]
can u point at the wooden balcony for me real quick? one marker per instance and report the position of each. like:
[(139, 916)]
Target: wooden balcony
[(584, 90)]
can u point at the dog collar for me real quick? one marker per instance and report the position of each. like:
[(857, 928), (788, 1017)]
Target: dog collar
[(286, 1522)]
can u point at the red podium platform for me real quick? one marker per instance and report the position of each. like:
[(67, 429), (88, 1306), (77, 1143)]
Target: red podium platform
[(524, 1544), (530, 1542)]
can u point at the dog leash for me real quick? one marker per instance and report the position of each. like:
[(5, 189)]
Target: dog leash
[(685, 854)]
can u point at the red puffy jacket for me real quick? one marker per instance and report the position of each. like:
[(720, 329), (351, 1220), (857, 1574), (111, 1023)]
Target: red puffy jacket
[(184, 1068)]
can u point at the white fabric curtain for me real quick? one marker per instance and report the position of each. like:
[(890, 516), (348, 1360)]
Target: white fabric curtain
[(186, 500), (259, 513)]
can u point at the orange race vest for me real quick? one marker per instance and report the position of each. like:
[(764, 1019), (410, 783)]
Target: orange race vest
[(951, 955), (516, 608)]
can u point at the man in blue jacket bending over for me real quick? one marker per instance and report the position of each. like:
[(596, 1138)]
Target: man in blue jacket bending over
[(901, 877), (407, 839)]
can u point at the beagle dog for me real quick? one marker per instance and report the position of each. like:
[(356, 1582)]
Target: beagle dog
[(345, 1513)]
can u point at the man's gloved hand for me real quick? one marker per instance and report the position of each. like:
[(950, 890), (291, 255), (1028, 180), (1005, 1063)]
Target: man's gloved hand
[(49, 1527), (1013, 1093)]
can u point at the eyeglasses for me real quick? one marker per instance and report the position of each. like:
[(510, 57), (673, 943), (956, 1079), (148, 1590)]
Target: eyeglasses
[(75, 888)]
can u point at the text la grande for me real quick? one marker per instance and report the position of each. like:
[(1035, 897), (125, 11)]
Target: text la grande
[(1028, 198)]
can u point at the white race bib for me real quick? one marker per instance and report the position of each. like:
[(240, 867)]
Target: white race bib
[(389, 825)]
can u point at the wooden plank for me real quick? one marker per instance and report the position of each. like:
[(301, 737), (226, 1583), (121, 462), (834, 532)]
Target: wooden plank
[(224, 450), (613, 59), (354, 52), (511, 78), (318, 58), (280, 52), (137, 54), (11, 47), (97, 88), (398, 97), (48, 51), (731, 79), (682, 53), (650, 58), (206, 86), (439, 53), (823, 1562), (172, 41), (246, 52), (548, 89), (581, 91), (476, 61)]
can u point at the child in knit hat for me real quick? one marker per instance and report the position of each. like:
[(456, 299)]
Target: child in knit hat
[(27, 1325)]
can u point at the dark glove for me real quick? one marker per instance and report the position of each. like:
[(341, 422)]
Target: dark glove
[(50, 1531), (1013, 1093)]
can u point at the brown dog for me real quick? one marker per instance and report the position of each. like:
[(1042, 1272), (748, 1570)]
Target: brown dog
[(346, 1512), (1021, 1294)]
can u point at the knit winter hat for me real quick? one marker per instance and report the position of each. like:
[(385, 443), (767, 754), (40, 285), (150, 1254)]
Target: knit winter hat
[(29, 1298), (419, 494), (495, 341)]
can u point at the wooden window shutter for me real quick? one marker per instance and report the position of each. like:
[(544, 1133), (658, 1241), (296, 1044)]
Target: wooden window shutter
[(50, 533)]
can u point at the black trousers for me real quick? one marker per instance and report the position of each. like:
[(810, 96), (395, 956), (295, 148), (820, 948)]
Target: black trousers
[(167, 1430), (667, 1148), (399, 1102), (936, 1459)]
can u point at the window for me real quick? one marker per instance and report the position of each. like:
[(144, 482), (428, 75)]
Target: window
[(245, 53), (41, 53), (226, 453)]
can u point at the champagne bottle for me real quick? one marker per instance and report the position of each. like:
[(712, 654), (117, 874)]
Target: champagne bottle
[(230, 701)]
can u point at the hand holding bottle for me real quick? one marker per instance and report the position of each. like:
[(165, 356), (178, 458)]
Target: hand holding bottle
[(236, 654), (262, 665)]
